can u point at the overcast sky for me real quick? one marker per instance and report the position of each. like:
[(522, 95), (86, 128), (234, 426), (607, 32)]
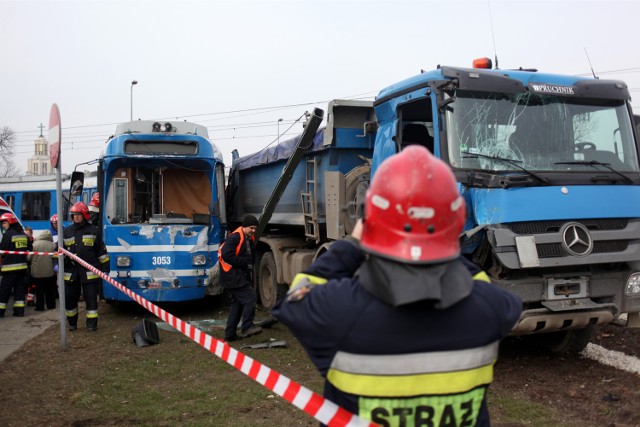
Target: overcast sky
[(238, 66)]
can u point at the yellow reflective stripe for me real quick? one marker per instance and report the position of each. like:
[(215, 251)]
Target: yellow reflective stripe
[(314, 280), (71, 313), (416, 363), (91, 314), (411, 385), (104, 258), (482, 276), (69, 241), (18, 304), (14, 267), (3, 305), (91, 276), (437, 372), (67, 276), (88, 239)]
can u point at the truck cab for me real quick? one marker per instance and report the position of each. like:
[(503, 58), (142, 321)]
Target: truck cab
[(548, 166)]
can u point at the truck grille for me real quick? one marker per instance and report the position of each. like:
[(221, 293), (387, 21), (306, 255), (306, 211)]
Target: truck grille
[(552, 250), (605, 240), (541, 227)]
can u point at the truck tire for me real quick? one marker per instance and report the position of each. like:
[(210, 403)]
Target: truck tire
[(356, 184), (269, 289), (572, 341)]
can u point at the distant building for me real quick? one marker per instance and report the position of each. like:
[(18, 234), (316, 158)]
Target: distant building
[(39, 163)]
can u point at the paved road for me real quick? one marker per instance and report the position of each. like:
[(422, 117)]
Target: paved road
[(15, 331)]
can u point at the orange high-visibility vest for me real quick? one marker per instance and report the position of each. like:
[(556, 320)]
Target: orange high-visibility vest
[(225, 266)]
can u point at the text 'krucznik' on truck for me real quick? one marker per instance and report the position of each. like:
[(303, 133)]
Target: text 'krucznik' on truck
[(547, 164)]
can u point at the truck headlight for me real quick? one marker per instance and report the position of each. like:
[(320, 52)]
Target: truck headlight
[(123, 261), (633, 285), (199, 260)]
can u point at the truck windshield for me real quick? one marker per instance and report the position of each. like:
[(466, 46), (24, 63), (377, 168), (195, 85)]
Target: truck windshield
[(539, 132)]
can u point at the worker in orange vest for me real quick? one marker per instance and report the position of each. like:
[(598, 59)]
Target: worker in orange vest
[(236, 257)]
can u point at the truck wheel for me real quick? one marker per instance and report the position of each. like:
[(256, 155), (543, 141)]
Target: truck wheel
[(268, 288), (356, 184), (572, 341)]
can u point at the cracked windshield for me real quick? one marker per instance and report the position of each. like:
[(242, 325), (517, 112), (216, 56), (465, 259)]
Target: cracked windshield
[(503, 132)]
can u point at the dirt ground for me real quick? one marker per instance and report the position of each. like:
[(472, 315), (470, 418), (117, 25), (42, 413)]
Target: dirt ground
[(582, 392)]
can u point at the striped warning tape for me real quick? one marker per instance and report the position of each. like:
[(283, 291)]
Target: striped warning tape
[(310, 402), (27, 253)]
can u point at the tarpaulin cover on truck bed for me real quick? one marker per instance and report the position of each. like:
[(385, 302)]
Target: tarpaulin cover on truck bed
[(284, 150)]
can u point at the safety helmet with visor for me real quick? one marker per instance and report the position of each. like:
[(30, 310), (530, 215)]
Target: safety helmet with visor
[(9, 217), (80, 208)]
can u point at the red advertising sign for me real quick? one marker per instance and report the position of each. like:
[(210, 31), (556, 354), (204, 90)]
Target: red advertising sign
[(55, 136)]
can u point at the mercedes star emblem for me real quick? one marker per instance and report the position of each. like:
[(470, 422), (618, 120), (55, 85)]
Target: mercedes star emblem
[(576, 239)]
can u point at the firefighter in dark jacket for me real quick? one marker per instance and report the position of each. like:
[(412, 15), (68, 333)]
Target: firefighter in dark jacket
[(403, 328), (14, 267), (236, 258), (82, 239)]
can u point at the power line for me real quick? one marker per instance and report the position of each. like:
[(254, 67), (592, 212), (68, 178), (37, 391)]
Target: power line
[(622, 70), (365, 95), (83, 138)]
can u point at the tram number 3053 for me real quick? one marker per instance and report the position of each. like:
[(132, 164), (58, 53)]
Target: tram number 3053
[(161, 260)]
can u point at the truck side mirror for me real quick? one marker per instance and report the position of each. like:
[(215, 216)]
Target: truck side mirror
[(77, 183)]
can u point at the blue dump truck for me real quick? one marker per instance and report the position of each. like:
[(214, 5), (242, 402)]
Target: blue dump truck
[(548, 165)]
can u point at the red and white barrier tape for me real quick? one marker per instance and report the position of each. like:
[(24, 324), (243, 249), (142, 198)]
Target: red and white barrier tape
[(310, 402), (27, 253)]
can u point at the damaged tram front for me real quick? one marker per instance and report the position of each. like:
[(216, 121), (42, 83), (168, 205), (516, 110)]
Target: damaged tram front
[(162, 187)]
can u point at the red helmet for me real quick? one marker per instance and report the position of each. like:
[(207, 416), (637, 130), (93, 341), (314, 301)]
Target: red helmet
[(413, 210), (80, 208), (9, 217), (95, 200), (54, 218)]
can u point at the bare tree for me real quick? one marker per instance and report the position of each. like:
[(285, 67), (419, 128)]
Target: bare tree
[(8, 167)]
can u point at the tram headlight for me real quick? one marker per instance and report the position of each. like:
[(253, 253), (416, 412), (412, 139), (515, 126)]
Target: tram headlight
[(199, 260), (123, 261), (633, 285)]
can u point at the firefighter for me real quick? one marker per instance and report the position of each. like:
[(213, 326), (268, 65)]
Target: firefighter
[(81, 238), (94, 209), (411, 339), (54, 233), (14, 267), (54, 228), (236, 258), (31, 286)]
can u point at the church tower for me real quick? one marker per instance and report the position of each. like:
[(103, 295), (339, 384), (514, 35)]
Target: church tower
[(39, 163)]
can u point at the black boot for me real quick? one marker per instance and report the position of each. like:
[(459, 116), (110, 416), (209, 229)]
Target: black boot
[(92, 324), (2, 312), (73, 323), (18, 311)]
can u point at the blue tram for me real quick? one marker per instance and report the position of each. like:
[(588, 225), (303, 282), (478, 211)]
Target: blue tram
[(33, 198), (162, 216)]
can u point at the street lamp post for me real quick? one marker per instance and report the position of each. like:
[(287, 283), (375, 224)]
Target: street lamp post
[(279, 120), (133, 83)]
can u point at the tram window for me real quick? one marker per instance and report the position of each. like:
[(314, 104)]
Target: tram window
[(121, 199), (36, 206), (11, 201)]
